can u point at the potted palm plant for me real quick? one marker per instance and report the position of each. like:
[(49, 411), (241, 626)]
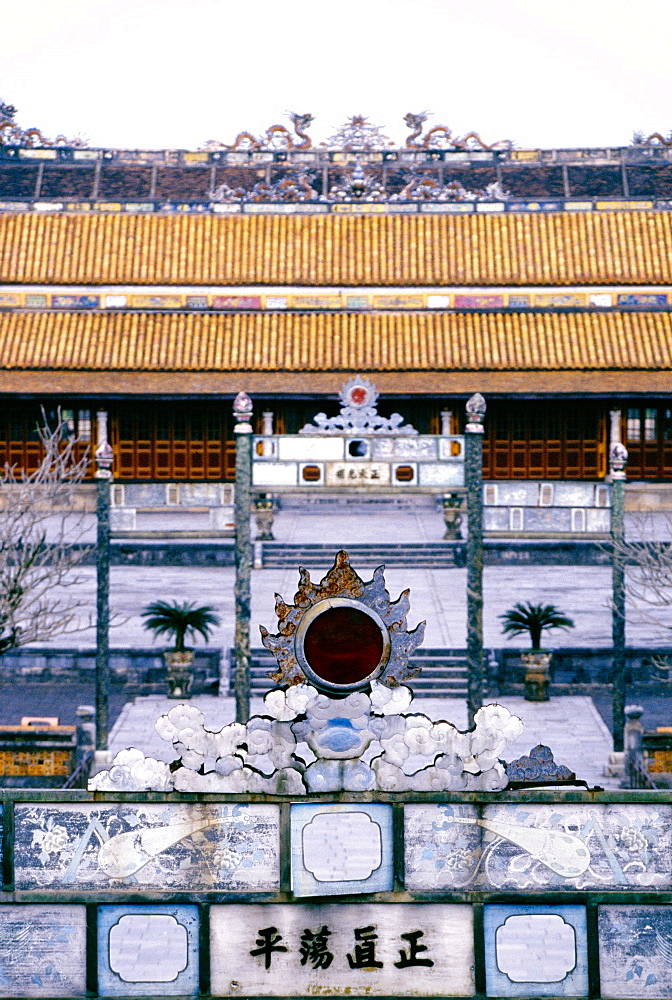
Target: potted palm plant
[(534, 619), (179, 620)]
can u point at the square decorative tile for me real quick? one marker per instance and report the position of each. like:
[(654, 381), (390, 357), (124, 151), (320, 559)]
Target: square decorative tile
[(535, 951), (147, 950), (42, 950), (338, 849), (635, 951), (154, 846), (356, 949)]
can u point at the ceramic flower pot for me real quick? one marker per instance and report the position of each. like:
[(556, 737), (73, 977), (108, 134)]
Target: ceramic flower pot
[(537, 677), (179, 668)]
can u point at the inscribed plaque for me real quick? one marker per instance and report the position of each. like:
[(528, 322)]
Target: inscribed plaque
[(147, 950), (535, 951), (341, 849), (176, 847), (635, 951), (381, 949), (42, 950), (357, 473)]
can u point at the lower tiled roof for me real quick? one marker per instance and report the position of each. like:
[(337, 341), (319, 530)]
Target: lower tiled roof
[(324, 342)]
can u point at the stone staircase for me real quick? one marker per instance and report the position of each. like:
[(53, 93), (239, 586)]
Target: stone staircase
[(444, 673), (320, 555)]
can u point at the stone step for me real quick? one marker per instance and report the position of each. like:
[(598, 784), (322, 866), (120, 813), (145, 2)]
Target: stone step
[(277, 555), (444, 673)]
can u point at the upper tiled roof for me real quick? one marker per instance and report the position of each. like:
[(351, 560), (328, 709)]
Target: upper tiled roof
[(323, 342), (586, 248)]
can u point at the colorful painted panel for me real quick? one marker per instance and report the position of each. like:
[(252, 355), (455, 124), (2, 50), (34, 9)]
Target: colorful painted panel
[(156, 301), (316, 301), (519, 301), (478, 301), (341, 849), (640, 299), (150, 846), (147, 951), (10, 300), (536, 951), (397, 949), (533, 847), (560, 299), (399, 301), (42, 950), (36, 301), (75, 301), (635, 951), (236, 302)]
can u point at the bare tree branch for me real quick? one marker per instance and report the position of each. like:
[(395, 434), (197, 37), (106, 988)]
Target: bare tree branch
[(43, 521)]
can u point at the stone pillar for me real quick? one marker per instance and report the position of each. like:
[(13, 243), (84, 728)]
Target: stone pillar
[(474, 482), (446, 421), (242, 411), (267, 431), (103, 477), (631, 741), (618, 457)]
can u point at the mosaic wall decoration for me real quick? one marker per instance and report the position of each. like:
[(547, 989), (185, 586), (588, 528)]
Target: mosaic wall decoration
[(341, 849), (641, 299), (478, 301), (536, 951), (635, 951), (404, 949), (534, 847), (75, 301), (147, 950), (150, 846), (42, 950), (236, 302)]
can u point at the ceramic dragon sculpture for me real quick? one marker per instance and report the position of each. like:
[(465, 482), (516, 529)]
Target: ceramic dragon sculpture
[(11, 133), (245, 140), (442, 137)]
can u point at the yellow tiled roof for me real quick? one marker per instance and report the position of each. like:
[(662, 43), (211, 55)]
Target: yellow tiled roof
[(322, 342), (620, 247)]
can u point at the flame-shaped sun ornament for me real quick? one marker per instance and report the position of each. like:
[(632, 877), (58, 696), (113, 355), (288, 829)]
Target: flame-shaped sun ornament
[(343, 633)]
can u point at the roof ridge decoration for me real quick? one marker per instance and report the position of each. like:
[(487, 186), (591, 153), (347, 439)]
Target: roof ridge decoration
[(276, 137), (11, 133), (441, 137), (359, 413)]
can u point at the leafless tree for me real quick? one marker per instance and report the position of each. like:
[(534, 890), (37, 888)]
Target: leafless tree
[(646, 556), (43, 521)]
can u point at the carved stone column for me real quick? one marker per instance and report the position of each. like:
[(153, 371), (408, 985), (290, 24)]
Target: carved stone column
[(242, 411), (474, 480), (103, 457)]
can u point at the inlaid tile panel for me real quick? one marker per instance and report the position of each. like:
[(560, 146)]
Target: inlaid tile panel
[(147, 950), (152, 846), (341, 849), (635, 951), (535, 951), (531, 847), (42, 950)]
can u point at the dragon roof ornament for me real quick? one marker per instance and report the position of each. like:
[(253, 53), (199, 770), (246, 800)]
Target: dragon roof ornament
[(359, 414), (11, 133)]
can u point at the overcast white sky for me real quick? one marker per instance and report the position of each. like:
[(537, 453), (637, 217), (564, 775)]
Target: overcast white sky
[(173, 73)]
